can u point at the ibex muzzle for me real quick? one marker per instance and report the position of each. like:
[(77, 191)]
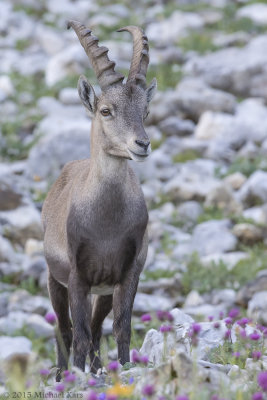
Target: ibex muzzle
[(95, 216)]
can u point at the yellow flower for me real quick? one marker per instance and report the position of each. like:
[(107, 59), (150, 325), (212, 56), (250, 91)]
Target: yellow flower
[(121, 391)]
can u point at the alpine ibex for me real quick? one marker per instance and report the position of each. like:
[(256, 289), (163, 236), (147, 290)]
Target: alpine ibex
[(95, 216)]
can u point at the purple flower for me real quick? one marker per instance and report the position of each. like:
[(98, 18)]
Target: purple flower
[(144, 360), (51, 318), (182, 397), (243, 322), (161, 398), (227, 334), (236, 354), (148, 390), (92, 382), (257, 396), (113, 366), (164, 316), (254, 336), (243, 334), (92, 396), (256, 355), (44, 372), (233, 313), (59, 387), (70, 377), (165, 328), (112, 397), (264, 332), (194, 330), (216, 325), (262, 380), (214, 397), (131, 380), (221, 314), (210, 318), (135, 356), (146, 318), (102, 396), (228, 321)]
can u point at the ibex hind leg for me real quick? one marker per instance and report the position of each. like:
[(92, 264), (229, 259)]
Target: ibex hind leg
[(102, 305), (59, 298)]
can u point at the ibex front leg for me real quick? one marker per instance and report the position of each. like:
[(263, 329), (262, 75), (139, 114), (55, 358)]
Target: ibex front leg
[(81, 315), (123, 299)]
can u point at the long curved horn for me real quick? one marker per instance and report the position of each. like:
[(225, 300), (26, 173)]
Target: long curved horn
[(103, 67), (140, 58)]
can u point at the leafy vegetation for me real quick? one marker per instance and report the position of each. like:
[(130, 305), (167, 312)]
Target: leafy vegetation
[(218, 276), (187, 155), (197, 41), (247, 165)]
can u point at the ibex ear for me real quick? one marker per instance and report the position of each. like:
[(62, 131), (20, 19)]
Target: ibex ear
[(151, 90), (87, 95)]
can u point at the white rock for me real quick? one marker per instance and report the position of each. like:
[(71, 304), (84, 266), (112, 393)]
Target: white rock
[(194, 182), (172, 28), (10, 346), (22, 223), (40, 327), (6, 85), (194, 97), (213, 237), (258, 214), (6, 250), (190, 210), (254, 189), (145, 303), (69, 96), (257, 307), (229, 259), (235, 180), (256, 12), (193, 299), (239, 70), (21, 300)]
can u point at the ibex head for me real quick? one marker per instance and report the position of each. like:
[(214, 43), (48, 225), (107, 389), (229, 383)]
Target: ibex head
[(121, 108)]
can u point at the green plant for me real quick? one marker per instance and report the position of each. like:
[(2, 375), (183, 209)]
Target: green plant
[(186, 155), (197, 41), (247, 165)]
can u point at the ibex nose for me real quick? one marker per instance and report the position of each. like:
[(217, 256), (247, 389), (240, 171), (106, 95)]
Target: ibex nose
[(143, 144)]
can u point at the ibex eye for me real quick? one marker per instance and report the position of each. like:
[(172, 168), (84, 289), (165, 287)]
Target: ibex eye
[(105, 112)]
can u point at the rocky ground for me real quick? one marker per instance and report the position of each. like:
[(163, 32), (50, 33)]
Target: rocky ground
[(205, 184)]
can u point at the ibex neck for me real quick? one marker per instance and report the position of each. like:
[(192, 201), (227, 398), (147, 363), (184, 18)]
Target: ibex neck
[(103, 165)]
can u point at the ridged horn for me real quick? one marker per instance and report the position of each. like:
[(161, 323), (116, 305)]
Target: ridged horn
[(140, 58), (103, 67)]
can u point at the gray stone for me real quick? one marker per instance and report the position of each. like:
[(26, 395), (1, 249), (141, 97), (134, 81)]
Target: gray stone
[(21, 300), (258, 214), (10, 197), (231, 39), (254, 189), (190, 211), (257, 307), (39, 326), (22, 223), (6, 250), (205, 311), (53, 151), (176, 126), (246, 293), (233, 69), (194, 98), (193, 299), (10, 346), (229, 259), (247, 233), (194, 182), (69, 96), (144, 303), (174, 27), (222, 197), (256, 12), (235, 180), (4, 297), (213, 237), (227, 296)]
